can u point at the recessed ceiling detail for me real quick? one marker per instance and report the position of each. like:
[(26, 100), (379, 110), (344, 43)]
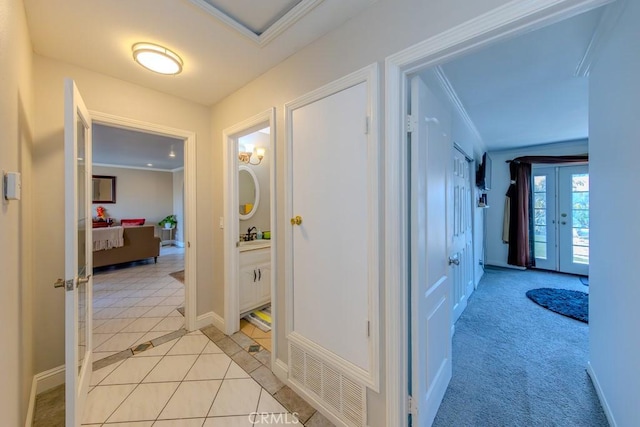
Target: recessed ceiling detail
[(260, 21)]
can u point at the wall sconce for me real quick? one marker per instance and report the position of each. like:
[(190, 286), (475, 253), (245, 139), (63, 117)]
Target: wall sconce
[(245, 154)]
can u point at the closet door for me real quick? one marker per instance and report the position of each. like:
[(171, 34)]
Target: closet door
[(333, 229)]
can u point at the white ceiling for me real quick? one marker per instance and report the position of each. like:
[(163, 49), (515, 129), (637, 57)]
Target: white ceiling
[(123, 147), (524, 91), (218, 59)]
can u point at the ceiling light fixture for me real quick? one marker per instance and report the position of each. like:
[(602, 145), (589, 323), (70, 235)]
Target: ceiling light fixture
[(150, 164), (172, 153), (157, 58)]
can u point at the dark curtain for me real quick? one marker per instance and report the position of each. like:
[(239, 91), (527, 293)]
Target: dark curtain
[(519, 195)]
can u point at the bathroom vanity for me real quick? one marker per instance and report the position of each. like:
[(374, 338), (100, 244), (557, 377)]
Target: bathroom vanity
[(255, 274)]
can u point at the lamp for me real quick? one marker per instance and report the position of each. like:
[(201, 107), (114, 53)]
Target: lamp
[(157, 58), (246, 152)]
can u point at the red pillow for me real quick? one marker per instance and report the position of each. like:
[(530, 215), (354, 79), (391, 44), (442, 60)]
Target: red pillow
[(132, 222)]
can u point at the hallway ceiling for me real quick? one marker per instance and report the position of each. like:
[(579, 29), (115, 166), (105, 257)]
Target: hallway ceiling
[(218, 57)]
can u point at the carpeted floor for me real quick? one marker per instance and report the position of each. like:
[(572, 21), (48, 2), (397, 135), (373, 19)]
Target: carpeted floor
[(516, 364)]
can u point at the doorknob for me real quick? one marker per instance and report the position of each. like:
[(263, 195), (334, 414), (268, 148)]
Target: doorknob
[(297, 220), (59, 283), (453, 260), (563, 222), (83, 280)]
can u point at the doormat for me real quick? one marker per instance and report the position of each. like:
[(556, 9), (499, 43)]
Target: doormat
[(178, 275), (574, 304), (260, 318), (584, 280)]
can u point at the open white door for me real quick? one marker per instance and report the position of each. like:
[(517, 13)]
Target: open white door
[(430, 284), (78, 253)]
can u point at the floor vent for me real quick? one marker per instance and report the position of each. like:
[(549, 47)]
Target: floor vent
[(344, 397)]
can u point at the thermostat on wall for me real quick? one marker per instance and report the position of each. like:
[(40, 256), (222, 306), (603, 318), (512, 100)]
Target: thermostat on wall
[(12, 185)]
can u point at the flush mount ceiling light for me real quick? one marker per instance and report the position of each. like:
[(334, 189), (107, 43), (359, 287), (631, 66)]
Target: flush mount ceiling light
[(157, 58)]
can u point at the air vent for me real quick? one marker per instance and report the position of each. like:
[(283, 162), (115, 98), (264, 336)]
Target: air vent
[(345, 398)]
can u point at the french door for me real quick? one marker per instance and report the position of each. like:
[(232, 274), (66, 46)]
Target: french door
[(561, 218)]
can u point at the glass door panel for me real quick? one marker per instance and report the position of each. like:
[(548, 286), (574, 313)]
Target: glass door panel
[(544, 220)]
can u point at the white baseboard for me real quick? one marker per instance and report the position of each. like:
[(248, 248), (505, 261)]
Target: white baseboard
[(603, 399), (281, 370), (210, 318), (178, 243), (218, 321), (42, 382), (503, 265)]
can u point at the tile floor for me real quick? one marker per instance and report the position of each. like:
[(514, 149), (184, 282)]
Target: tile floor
[(191, 381), (136, 303), (258, 335)]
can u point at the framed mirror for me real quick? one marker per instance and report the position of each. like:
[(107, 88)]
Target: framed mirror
[(248, 192), (104, 189)]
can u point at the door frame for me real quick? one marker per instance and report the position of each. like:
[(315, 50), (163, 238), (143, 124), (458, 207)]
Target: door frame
[(502, 23), (230, 137), (190, 226)]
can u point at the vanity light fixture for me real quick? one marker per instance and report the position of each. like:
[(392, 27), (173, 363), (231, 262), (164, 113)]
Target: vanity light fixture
[(157, 58), (172, 153), (245, 154)]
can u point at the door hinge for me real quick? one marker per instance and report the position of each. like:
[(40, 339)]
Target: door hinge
[(411, 123), (412, 407), (368, 328), (366, 125)]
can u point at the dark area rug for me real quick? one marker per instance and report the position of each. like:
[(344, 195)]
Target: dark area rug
[(574, 304), (584, 280)]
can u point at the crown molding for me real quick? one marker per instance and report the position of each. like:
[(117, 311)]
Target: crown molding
[(277, 28), (601, 33), (142, 168), (455, 100)]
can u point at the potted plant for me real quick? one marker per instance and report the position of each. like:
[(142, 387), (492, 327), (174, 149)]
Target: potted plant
[(168, 222)]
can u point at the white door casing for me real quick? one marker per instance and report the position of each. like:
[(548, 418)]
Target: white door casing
[(78, 254), (429, 276), (460, 231)]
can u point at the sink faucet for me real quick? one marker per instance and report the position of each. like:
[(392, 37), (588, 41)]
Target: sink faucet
[(249, 232)]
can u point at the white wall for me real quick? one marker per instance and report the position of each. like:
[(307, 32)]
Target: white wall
[(383, 29), (614, 318), (112, 96), (496, 251), (262, 218), (139, 194), (16, 286)]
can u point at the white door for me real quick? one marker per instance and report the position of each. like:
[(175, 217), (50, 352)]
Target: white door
[(544, 218), (460, 233), (430, 151), (561, 218), (573, 229), (78, 254)]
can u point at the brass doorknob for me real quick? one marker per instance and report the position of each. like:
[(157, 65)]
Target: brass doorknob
[(297, 220)]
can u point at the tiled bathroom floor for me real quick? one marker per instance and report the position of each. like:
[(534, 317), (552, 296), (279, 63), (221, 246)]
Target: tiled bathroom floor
[(258, 335), (135, 304)]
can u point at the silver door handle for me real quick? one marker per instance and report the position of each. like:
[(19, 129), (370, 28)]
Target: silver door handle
[(453, 260), (83, 280), (563, 222)]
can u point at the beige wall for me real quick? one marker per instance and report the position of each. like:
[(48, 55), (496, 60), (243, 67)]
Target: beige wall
[(385, 28), (16, 287), (112, 96), (139, 194), (178, 204), (262, 218)]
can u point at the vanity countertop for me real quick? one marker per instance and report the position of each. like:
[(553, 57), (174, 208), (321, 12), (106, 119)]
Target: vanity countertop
[(253, 245)]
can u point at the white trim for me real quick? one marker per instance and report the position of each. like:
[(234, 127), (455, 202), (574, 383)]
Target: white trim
[(370, 76), (42, 382), (503, 264), (281, 370), (142, 168), (210, 318), (190, 228), (509, 20), (277, 28), (601, 33), (455, 100), (603, 400), (231, 322)]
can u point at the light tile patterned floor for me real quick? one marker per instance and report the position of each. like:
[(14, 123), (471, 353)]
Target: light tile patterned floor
[(137, 303), (261, 337), (185, 382)]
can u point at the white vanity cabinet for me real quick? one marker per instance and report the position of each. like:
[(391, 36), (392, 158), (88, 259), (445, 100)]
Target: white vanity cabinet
[(255, 278)]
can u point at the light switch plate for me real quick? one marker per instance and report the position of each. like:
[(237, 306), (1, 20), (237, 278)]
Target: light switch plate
[(12, 185)]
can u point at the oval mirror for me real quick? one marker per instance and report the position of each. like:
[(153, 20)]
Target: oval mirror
[(248, 192)]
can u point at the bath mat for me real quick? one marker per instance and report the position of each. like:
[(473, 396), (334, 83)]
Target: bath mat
[(260, 318)]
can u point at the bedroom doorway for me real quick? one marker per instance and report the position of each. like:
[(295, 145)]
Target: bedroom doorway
[(145, 277)]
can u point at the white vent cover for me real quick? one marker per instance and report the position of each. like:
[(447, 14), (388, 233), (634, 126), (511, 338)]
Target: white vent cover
[(345, 398)]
